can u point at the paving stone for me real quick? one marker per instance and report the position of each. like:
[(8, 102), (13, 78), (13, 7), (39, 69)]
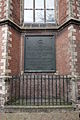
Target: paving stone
[(73, 115)]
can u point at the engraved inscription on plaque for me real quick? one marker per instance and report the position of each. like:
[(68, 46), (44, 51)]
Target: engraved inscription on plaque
[(39, 53)]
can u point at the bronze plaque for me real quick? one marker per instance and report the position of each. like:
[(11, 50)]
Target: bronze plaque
[(39, 53)]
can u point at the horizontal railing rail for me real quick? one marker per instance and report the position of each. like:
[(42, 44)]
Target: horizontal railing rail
[(38, 90)]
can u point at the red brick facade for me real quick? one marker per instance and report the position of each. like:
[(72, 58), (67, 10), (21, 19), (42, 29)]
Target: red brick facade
[(15, 11), (62, 11), (62, 54), (67, 37), (15, 50)]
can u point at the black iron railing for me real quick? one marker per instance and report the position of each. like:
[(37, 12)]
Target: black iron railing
[(38, 90)]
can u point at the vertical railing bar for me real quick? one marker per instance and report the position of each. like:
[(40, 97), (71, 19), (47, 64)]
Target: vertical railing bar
[(41, 89), (63, 91), (37, 90), (60, 89), (11, 89), (23, 90), (30, 88), (6, 81), (52, 91), (15, 89), (34, 89), (48, 90), (26, 89), (56, 89), (45, 87), (67, 79), (19, 89)]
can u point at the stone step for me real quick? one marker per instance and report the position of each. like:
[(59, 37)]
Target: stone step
[(40, 113)]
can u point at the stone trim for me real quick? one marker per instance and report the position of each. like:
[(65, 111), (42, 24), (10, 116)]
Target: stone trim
[(70, 8), (6, 38), (72, 50), (6, 8), (78, 8), (23, 29), (75, 92), (73, 9), (21, 12), (8, 71), (0, 8), (4, 49), (5, 13), (6, 45), (10, 9), (2, 92), (56, 2), (45, 109)]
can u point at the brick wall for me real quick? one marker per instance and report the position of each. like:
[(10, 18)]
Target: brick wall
[(62, 54), (14, 51), (68, 9), (62, 11), (10, 10), (68, 50), (14, 14)]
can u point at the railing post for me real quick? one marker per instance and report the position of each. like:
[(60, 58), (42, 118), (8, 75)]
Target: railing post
[(74, 91), (4, 95), (3, 92), (78, 93)]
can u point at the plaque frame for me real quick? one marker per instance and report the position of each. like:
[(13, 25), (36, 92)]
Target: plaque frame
[(41, 71)]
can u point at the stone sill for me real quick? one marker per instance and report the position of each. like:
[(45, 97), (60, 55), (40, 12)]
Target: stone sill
[(40, 107), (45, 109), (56, 27)]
